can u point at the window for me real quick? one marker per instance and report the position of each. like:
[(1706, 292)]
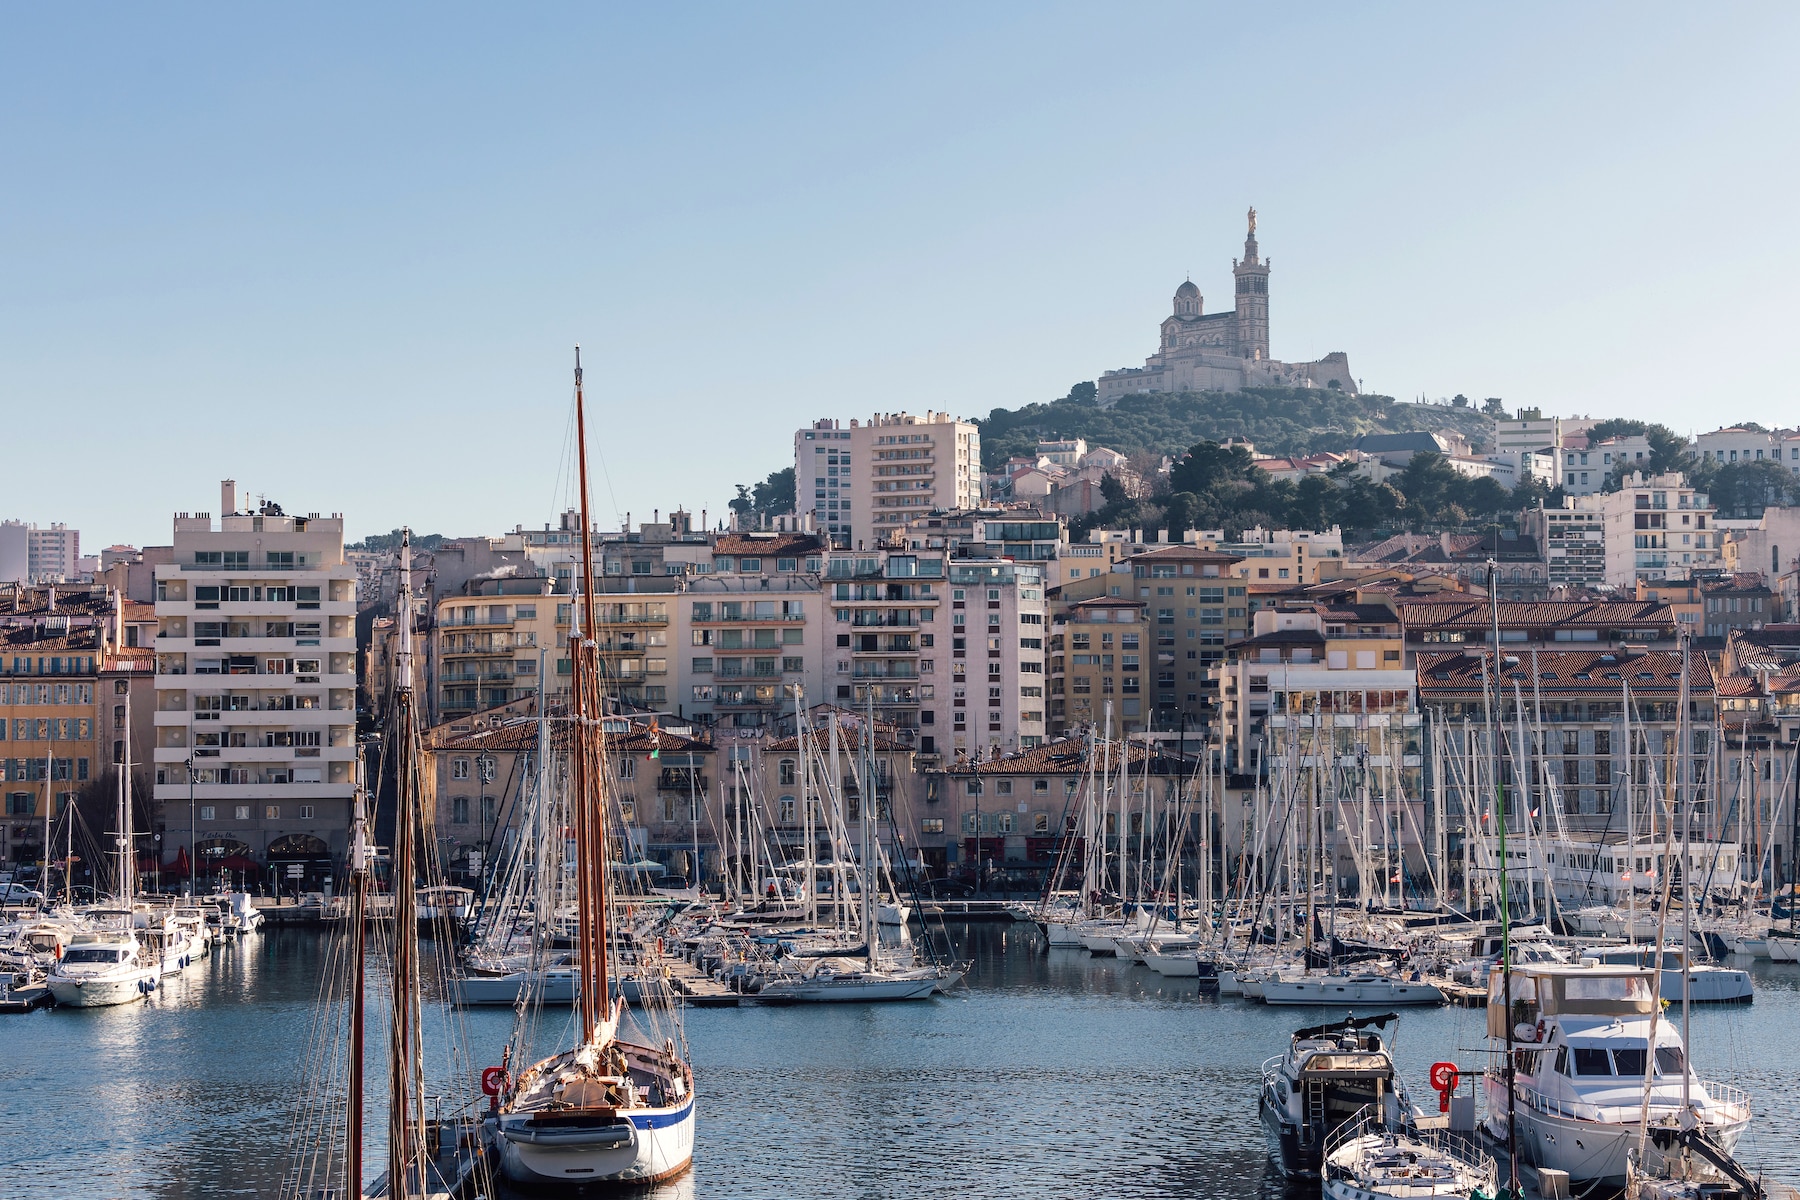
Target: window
[(459, 768), (206, 812), (1003, 787), (459, 810), (787, 772), (271, 812), (306, 812), (241, 812), (931, 825)]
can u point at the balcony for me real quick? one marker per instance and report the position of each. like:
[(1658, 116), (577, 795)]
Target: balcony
[(875, 670), (865, 619)]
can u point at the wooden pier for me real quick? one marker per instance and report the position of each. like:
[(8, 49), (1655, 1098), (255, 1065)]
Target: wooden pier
[(701, 991)]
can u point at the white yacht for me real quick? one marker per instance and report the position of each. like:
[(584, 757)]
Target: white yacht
[(1705, 984), (445, 902), (99, 969), (1582, 1039), (1343, 987), (843, 980)]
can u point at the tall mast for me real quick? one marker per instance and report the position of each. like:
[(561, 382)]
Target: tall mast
[(1684, 799), (406, 1112), (1493, 706), (590, 817), (359, 898)]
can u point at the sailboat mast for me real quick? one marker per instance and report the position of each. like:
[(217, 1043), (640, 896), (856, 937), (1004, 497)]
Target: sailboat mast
[(1493, 722), (406, 1114), (1684, 800), (590, 847), (359, 898)]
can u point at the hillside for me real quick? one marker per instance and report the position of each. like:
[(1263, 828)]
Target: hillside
[(1277, 420)]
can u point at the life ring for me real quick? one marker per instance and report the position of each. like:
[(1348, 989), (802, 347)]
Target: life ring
[(1443, 1076), (491, 1080)]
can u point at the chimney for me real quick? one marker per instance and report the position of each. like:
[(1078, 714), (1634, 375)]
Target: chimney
[(53, 597), (227, 497)]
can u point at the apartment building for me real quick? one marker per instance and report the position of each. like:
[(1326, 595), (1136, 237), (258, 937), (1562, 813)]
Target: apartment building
[(890, 640), (747, 638), (862, 484), (1658, 527), (1099, 648), (39, 554), (51, 736), (1573, 538), (997, 680), (1197, 604), (1276, 555), (1737, 601), (1433, 623), (1736, 444), (497, 643), (480, 770), (1587, 465), (1578, 696), (1335, 667), (256, 691)]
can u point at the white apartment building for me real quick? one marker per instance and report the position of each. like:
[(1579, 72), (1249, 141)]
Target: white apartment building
[(1586, 465), (39, 554), (998, 627), (1658, 528), (1735, 444), (1064, 452), (863, 483), (256, 694)]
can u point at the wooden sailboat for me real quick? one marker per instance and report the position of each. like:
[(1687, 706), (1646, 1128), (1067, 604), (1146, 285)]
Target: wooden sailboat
[(608, 1109)]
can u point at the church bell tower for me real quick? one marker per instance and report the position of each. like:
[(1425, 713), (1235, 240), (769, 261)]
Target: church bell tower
[(1252, 276)]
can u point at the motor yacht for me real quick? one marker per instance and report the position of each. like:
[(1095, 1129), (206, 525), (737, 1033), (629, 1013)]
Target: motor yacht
[(1582, 1040), (100, 969), (1328, 1076)]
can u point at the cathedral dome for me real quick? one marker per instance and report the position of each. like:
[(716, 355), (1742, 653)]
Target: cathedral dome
[(1187, 300)]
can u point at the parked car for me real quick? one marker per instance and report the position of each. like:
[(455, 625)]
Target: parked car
[(948, 889), (18, 893)]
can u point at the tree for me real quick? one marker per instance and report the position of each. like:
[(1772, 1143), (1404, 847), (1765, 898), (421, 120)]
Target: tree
[(1181, 509), (775, 495), (1316, 504), (1209, 464), (1493, 407), (743, 505), (1427, 482), (1111, 490), (1083, 393), (1460, 400)]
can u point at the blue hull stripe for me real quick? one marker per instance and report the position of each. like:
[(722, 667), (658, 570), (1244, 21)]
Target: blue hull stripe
[(665, 1120)]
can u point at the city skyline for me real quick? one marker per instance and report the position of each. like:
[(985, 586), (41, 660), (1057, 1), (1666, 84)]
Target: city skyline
[(253, 248)]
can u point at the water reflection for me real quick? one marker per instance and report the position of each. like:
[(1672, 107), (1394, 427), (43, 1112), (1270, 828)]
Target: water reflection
[(1049, 1075)]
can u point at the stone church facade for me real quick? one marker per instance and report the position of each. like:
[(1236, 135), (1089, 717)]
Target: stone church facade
[(1223, 351)]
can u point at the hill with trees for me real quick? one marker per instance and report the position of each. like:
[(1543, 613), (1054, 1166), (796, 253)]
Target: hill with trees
[(1279, 421)]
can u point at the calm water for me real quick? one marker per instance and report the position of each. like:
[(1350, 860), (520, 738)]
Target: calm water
[(1050, 1076)]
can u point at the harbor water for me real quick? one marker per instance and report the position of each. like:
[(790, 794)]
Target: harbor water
[(1047, 1075)]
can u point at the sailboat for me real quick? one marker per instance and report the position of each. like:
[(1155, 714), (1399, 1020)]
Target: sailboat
[(607, 1109)]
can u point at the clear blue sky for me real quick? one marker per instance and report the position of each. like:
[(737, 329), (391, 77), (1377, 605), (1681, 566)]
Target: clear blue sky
[(342, 255)]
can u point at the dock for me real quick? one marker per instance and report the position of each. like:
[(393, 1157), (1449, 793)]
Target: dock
[(25, 999), (966, 910), (1460, 994), (701, 991)]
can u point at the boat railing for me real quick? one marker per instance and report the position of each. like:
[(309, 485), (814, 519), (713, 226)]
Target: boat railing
[(1728, 1103), (1369, 1120)]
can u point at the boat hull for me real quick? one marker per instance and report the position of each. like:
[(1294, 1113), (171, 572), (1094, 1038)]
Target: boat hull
[(641, 1148), (103, 993), (849, 992), (1338, 990), (1589, 1152), (1285, 1149)]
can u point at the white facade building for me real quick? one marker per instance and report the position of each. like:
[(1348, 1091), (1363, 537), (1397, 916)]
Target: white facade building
[(1658, 528), (256, 693), (863, 483)]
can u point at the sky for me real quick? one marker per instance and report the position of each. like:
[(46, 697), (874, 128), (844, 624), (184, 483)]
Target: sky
[(343, 254)]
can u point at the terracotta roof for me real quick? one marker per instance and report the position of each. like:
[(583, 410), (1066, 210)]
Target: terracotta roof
[(1472, 613), (786, 544), (1067, 756), (29, 640), (1562, 673)]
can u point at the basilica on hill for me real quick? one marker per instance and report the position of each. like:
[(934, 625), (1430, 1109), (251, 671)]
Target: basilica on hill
[(1223, 351)]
